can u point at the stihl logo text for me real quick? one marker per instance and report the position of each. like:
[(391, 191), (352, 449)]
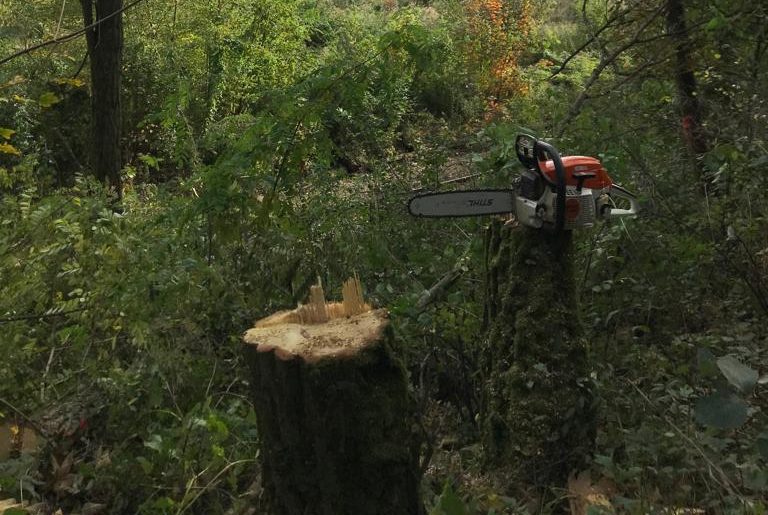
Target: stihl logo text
[(480, 202)]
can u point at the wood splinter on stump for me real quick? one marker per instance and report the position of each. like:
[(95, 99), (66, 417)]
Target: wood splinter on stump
[(333, 408)]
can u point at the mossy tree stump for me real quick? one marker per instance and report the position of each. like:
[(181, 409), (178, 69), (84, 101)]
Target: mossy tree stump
[(538, 409), (333, 411)]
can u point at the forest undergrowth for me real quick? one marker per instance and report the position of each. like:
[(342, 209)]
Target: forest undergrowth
[(269, 143)]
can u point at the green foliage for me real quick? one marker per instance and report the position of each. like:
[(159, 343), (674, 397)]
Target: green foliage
[(449, 503), (738, 374), (724, 408), (271, 142), (104, 300)]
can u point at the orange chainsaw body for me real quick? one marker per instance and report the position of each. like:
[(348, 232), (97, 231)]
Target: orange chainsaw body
[(575, 165)]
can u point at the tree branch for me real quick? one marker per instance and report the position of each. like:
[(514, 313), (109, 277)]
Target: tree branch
[(29, 420), (439, 288), (632, 75), (67, 37), (605, 61), (578, 51), (41, 315), (608, 24)]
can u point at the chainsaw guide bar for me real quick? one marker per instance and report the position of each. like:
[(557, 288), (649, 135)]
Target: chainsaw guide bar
[(462, 203)]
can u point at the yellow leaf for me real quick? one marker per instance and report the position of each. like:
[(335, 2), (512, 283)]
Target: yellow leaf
[(66, 81), (6, 148), (48, 99), (6, 133), (14, 82)]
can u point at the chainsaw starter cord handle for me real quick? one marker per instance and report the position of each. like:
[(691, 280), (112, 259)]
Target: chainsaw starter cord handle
[(560, 174)]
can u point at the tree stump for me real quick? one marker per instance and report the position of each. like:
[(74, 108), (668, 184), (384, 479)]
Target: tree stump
[(334, 412), (538, 409)]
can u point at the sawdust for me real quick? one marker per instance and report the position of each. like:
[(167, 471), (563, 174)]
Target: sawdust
[(338, 337)]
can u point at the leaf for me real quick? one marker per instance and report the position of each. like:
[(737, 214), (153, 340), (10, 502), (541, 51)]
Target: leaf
[(6, 133), (738, 374), (16, 80), (760, 161), (217, 427), (716, 23), (706, 362), (155, 442), (146, 465), (722, 410), (762, 445), (48, 99), (150, 161), (755, 479), (7, 148), (163, 504), (611, 315), (66, 81), (449, 503)]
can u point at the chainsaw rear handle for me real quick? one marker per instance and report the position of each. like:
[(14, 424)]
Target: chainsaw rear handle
[(619, 192), (541, 149)]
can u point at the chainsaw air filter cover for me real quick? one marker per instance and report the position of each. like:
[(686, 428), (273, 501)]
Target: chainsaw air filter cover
[(579, 208)]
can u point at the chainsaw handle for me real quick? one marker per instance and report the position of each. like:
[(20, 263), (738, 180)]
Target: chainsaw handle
[(541, 149), (524, 148), (634, 205)]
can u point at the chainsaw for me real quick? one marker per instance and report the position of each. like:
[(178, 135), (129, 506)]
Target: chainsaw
[(556, 193)]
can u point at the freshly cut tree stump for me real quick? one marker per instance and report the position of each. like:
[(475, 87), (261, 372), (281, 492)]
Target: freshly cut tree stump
[(333, 409)]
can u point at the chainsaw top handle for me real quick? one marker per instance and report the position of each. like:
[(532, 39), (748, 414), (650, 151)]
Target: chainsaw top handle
[(542, 149)]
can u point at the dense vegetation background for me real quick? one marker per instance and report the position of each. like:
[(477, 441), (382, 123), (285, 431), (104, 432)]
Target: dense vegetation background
[(268, 142)]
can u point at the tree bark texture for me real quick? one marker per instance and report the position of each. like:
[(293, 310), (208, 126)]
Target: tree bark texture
[(538, 409), (105, 48), (336, 431), (685, 81)]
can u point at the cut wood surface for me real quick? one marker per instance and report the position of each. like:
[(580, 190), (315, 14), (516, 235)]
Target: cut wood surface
[(320, 329), (15, 439), (336, 338)]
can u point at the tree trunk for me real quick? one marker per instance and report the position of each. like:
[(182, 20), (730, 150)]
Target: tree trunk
[(334, 417), (105, 47), (685, 80), (538, 409)]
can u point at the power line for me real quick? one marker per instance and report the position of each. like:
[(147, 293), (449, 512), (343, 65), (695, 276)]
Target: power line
[(68, 37)]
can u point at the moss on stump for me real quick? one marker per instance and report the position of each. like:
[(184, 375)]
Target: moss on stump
[(334, 417), (538, 411)]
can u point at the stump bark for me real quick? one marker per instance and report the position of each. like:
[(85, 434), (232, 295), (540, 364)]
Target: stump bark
[(334, 414), (538, 410)]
